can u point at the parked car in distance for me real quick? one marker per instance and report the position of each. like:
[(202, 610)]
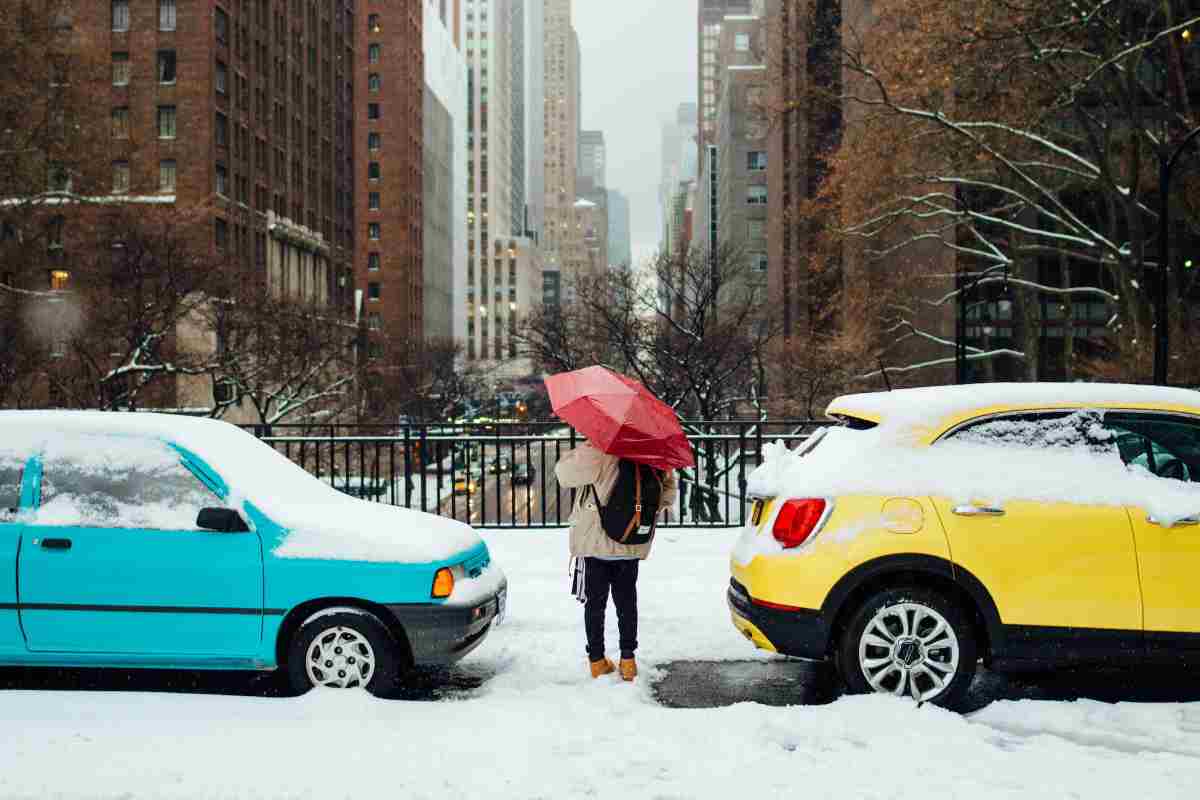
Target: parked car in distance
[(146, 540), (500, 465), (523, 474), (906, 594)]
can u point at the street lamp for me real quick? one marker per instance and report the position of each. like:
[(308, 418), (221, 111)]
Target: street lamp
[(1161, 323)]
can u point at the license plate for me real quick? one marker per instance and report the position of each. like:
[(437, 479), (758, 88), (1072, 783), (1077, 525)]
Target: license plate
[(500, 604)]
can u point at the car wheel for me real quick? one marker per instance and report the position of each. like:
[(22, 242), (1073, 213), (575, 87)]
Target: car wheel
[(344, 648), (909, 642)]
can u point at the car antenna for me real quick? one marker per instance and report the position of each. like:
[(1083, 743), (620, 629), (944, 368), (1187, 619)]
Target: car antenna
[(883, 371)]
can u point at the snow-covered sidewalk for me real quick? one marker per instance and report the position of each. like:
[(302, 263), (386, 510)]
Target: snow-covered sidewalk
[(541, 728)]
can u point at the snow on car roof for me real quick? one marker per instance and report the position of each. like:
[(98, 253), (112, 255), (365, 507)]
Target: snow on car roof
[(321, 522), (932, 404)]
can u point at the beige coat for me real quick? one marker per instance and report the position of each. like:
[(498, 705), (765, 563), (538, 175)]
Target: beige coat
[(585, 466)]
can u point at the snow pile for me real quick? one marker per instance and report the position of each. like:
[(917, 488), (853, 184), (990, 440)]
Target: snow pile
[(1074, 461), (540, 727), (320, 522)]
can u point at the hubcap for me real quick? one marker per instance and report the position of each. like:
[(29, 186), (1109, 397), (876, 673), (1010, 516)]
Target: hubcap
[(908, 649), (340, 658)]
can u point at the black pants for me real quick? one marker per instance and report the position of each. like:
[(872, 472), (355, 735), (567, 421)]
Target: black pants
[(599, 576)]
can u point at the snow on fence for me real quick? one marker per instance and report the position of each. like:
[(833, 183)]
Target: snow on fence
[(501, 475)]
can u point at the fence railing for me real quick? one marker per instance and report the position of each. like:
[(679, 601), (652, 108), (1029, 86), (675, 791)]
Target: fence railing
[(501, 475)]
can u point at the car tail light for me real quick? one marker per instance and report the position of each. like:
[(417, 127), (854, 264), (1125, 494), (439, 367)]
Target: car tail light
[(443, 583), (797, 521)]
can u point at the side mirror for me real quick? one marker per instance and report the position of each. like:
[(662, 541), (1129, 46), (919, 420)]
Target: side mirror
[(221, 520)]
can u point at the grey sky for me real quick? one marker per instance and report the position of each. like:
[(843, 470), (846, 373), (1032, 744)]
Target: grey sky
[(639, 64)]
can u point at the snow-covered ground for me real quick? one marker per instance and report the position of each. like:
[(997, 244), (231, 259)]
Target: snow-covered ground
[(539, 727)]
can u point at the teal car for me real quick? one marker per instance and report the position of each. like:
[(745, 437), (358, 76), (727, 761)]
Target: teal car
[(146, 540)]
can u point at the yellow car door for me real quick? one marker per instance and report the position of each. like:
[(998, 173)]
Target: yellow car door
[(1063, 576), (1168, 446)]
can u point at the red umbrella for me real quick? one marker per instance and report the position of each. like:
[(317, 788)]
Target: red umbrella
[(620, 417)]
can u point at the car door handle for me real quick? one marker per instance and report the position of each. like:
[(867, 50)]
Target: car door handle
[(1186, 522), (978, 511), (56, 544)]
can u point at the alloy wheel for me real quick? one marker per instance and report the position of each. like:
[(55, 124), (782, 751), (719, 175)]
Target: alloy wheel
[(909, 649)]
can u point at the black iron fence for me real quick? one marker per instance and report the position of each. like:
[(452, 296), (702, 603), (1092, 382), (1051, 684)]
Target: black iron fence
[(501, 475)]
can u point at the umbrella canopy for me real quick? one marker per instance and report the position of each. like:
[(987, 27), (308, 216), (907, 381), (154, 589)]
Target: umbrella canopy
[(620, 417)]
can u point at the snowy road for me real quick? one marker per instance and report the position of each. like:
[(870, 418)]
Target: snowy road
[(527, 722)]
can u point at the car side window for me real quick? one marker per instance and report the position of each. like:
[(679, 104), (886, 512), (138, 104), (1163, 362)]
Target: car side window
[(1066, 430), (1165, 445), (119, 482), (11, 470)]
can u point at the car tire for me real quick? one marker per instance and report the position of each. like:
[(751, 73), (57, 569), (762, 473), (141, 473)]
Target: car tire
[(909, 641), (345, 648)]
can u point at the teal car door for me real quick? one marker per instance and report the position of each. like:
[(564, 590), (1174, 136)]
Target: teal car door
[(112, 561), (11, 469)]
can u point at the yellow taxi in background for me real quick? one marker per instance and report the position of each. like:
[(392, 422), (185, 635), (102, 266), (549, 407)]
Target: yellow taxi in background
[(465, 485), (907, 593)]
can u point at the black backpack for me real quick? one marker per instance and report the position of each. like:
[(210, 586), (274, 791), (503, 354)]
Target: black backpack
[(631, 515)]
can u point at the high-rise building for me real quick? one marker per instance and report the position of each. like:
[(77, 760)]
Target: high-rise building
[(712, 14), (387, 130), (619, 237), (519, 85), (445, 177), (593, 158), (562, 132), (535, 117), (679, 163)]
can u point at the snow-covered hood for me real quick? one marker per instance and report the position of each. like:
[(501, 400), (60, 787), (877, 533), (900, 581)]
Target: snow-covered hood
[(336, 527)]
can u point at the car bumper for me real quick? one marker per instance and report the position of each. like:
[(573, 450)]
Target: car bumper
[(799, 632), (444, 634)]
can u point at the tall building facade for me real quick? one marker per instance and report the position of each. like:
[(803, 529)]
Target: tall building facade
[(561, 153), (593, 158), (445, 176), (679, 160), (712, 14), (520, 86), (535, 115), (620, 248), (388, 131)]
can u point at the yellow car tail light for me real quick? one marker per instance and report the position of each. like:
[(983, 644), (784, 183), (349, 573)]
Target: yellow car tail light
[(797, 521)]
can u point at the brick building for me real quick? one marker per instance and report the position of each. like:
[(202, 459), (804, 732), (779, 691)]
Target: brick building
[(387, 91)]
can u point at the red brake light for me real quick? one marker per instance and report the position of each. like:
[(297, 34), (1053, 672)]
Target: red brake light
[(797, 521)]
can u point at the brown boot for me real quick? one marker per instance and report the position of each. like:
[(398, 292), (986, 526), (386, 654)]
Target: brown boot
[(628, 669), (602, 667)]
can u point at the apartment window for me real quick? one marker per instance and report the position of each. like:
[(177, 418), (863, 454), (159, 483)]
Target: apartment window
[(372, 110), (58, 179), (120, 177), (166, 122), (120, 123), (758, 262), (120, 69), (373, 292), (374, 82), (375, 321), (222, 180), (741, 42), (373, 201), (374, 230), (222, 78), (60, 279), (221, 233), (166, 66), (372, 262), (120, 15), (222, 130), (373, 171), (756, 195), (374, 141), (166, 15), (757, 160), (166, 176), (756, 229)]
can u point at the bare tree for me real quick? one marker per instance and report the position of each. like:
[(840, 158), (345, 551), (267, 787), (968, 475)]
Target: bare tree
[(424, 381)]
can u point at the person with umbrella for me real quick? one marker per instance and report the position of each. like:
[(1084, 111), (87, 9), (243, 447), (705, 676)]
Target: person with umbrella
[(634, 444)]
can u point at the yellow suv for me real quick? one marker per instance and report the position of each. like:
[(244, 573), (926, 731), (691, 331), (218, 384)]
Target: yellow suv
[(1029, 526)]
